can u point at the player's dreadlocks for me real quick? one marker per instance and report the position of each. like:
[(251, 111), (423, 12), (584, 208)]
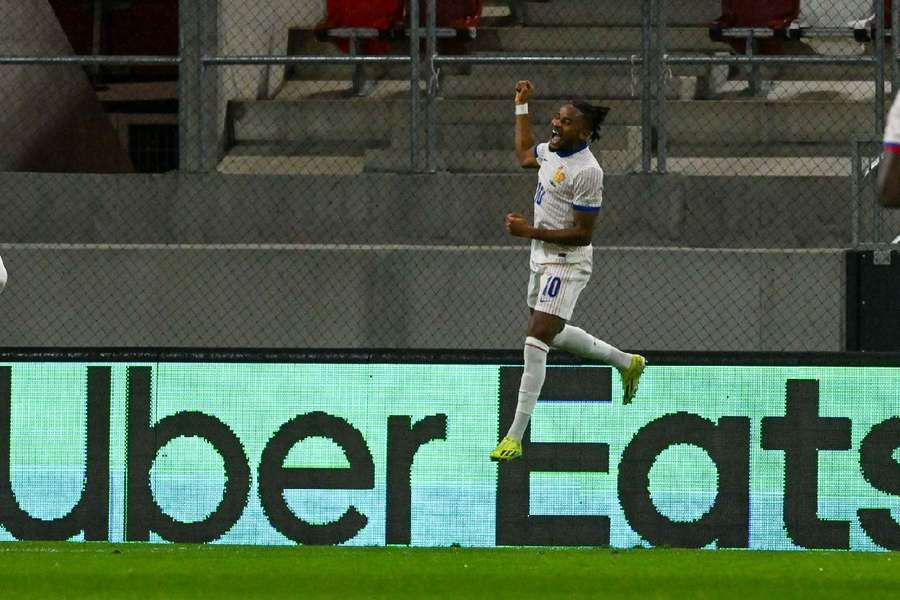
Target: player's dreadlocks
[(594, 114)]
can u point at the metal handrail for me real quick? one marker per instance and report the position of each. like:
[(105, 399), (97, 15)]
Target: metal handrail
[(90, 60), (251, 60), (762, 60), (544, 59)]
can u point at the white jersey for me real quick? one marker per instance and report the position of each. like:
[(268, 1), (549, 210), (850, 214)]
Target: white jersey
[(892, 131), (567, 182)]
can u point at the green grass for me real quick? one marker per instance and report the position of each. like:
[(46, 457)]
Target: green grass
[(61, 570)]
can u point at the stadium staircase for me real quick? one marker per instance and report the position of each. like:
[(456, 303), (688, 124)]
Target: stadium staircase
[(778, 132)]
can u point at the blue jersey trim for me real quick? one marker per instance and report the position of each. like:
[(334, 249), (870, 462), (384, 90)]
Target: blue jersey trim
[(535, 151), (892, 147), (586, 208), (564, 154)]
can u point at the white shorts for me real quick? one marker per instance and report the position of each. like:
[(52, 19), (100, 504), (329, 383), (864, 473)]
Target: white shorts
[(554, 288)]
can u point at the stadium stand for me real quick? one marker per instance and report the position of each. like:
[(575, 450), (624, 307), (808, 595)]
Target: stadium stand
[(370, 28), (362, 26), (779, 121), (141, 101), (746, 22), (470, 97), (757, 193)]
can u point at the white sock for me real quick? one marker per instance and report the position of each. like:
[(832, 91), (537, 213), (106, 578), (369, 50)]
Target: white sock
[(580, 343), (530, 387)]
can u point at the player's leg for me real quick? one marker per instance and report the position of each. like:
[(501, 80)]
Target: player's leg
[(542, 327), (577, 341), (3, 275)]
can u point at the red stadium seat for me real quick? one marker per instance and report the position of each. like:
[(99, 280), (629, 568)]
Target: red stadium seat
[(456, 21), (776, 15), (455, 14), (384, 16)]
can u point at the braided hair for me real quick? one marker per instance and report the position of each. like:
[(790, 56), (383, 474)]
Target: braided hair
[(595, 116)]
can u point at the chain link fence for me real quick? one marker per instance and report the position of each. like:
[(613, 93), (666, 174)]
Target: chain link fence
[(873, 225), (227, 174)]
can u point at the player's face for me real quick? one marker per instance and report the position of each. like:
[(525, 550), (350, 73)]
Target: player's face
[(569, 129)]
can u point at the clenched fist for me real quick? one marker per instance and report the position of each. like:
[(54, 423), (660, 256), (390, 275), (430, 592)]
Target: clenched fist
[(517, 225), (524, 91)]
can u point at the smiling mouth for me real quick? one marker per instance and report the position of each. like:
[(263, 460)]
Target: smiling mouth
[(555, 138)]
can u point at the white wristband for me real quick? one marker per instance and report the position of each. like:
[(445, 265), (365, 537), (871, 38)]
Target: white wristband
[(522, 109)]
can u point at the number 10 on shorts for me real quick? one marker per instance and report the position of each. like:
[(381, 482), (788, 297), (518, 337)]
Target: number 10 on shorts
[(551, 288)]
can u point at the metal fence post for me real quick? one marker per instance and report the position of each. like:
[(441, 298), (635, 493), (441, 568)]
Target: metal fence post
[(646, 89), (855, 191), (433, 87), (414, 86), (895, 50), (662, 125), (212, 111), (189, 76), (879, 65)]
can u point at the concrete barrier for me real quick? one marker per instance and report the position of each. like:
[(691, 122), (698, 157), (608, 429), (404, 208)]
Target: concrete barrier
[(413, 297)]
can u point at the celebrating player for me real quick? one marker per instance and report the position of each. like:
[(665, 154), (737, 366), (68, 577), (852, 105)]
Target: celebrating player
[(889, 170), (566, 205)]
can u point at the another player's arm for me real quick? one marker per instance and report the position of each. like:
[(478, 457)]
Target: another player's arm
[(524, 134), (889, 179), (580, 234)]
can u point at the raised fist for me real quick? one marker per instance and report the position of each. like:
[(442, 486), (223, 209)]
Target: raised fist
[(524, 91)]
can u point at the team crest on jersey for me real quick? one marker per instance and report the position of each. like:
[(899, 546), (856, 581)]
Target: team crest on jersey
[(559, 176)]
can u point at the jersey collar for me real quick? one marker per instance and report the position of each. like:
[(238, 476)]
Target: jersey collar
[(564, 154)]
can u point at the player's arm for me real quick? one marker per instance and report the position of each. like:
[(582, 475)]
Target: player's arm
[(524, 134), (580, 234), (889, 179)]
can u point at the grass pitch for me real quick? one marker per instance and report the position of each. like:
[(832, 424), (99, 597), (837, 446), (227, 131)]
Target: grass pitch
[(70, 570)]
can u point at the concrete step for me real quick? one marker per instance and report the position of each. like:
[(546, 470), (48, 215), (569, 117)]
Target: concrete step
[(738, 123), (562, 82), (572, 38), (454, 136), (350, 119), (772, 91), (248, 164), (764, 166), (799, 72), (306, 148), (772, 150), (492, 161), (714, 122), (618, 13), (371, 121)]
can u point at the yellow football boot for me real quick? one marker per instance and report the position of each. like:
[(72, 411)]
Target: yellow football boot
[(507, 449), (631, 376)]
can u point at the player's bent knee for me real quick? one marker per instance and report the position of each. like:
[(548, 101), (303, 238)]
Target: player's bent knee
[(544, 326)]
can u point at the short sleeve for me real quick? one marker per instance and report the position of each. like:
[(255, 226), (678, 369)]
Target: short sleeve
[(892, 131), (540, 152), (588, 190)]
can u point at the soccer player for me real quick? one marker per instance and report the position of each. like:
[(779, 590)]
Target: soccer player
[(2, 275), (566, 205), (889, 170)]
